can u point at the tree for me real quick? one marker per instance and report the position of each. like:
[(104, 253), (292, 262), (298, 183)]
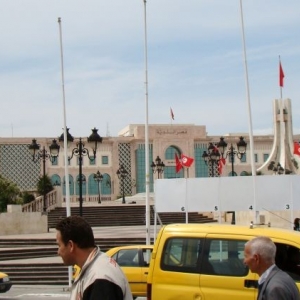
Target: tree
[(27, 197), (9, 193), (44, 185)]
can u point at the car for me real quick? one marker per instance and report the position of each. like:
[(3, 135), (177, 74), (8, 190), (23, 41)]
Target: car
[(5, 283), (206, 261), (134, 261)]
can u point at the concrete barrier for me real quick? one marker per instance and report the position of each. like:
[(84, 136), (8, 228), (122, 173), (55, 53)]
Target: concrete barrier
[(17, 222)]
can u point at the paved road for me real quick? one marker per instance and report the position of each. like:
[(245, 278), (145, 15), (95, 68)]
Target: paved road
[(39, 292)]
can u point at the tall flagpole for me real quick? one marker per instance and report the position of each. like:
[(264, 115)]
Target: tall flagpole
[(65, 124), (249, 114), (147, 175), (65, 140)]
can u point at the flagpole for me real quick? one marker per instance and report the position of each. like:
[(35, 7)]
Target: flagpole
[(68, 209), (147, 164), (65, 121), (249, 113)]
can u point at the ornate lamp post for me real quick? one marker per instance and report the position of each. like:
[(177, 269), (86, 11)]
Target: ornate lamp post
[(211, 159), (122, 174), (158, 166), (98, 177), (231, 152), (80, 151), (43, 155)]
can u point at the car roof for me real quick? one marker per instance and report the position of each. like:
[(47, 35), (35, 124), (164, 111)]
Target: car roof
[(115, 249), (216, 228)]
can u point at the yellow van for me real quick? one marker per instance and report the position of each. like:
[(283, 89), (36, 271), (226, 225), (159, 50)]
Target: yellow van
[(205, 261)]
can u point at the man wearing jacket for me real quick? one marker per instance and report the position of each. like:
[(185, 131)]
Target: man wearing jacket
[(100, 276), (273, 283)]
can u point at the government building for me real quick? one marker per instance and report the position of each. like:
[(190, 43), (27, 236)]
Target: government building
[(127, 150)]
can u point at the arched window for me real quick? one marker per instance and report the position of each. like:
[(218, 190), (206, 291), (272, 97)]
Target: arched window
[(106, 185), (71, 184), (230, 174), (170, 171), (55, 180)]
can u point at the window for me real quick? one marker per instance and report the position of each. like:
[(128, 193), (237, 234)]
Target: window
[(244, 158), (92, 160), (288, 259), (54, 161), (266, 156), (104, 160), (127, 258), (256, 157), (181, 255), (224, 257)]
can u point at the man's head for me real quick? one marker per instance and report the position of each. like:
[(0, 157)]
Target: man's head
[(74, 235), (259, 254)]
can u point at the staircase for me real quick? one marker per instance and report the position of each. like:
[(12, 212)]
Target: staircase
[(124, 215), (31, 272), (27, 272)]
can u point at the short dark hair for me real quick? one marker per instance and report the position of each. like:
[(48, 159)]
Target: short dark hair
[(76, 229)]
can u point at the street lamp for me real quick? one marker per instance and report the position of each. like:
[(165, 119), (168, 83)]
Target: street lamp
[(158, 166), (98, 177), (122, 173), (231, 152), (37, 155), (212, 158), (81, 151)]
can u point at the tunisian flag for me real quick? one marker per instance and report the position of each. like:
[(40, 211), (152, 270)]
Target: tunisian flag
[(178, 163), (186, 161), (221, 164), (296, 148), (281, 75)]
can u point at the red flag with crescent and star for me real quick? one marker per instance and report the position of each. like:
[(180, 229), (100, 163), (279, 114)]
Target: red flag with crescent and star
[(296, 148), (186, 161)]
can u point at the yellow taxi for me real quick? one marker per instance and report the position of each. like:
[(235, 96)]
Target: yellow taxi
[(134, 261), (205, 261), (5, 283)]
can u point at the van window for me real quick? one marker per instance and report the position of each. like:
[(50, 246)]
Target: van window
[(181, 255), (224, 257), (288, 259)]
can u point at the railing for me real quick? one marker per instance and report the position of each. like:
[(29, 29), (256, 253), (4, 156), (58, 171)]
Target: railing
[(52, 201), (38, 204), (75, 198)]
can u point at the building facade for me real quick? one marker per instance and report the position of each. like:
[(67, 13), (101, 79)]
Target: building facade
[(127, 149)]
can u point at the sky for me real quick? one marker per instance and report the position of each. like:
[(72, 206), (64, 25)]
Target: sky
[(195, 64)]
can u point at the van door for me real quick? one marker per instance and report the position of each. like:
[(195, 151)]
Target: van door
[(175, 273), (223, 273)]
